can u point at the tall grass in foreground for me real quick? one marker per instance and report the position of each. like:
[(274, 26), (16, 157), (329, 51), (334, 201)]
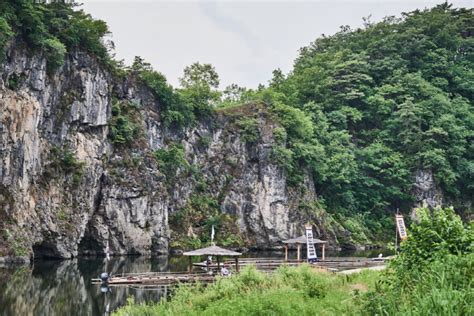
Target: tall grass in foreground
[(445, 288), (287, 291)]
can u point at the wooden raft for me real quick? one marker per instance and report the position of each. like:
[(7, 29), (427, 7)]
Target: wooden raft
[(157, 278), (271, 264)]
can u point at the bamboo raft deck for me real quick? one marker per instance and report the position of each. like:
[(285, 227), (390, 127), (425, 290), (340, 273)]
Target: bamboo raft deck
[(156, 278), (271, 263), (164, 279)]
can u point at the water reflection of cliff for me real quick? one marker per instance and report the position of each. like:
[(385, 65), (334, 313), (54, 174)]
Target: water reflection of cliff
[(64, 287)]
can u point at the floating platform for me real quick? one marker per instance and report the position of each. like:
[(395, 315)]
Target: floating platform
[(157, 279), (332, 264)]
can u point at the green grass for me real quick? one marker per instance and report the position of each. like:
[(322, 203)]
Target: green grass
[(287, 291)]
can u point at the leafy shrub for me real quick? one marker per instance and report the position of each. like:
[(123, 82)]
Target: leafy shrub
[(125, 125), (53, 27), (440, 232), (175, 112), (248, 127), (54, 52), (6, 34), (431, 275), (171, 160), (14, 82), (204, 141), (65, 160)]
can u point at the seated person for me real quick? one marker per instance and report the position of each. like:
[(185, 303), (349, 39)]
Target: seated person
[(225, 272)]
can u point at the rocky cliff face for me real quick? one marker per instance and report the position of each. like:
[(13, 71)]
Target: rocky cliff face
[(66, 189)]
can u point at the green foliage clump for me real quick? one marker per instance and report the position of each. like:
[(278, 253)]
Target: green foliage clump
[(199, 89), (171, 160), (54, 52), (248, 127), (65, 160), (440, 232), (14, 82), (433, 272), (54, 28), (175, 112), (204, 141), (125, 125), (15, 243), (6, 34)]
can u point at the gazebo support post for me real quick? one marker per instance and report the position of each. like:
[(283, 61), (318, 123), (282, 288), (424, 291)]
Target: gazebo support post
[(190, 267), (324, 247), (237, 264), (298, 251), (218, 262), (286, 252)]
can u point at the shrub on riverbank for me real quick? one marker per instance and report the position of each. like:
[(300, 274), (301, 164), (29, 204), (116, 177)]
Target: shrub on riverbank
[(433, 275), (288, 291)]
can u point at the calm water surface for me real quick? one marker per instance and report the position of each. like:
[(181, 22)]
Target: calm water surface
[(64, 287)]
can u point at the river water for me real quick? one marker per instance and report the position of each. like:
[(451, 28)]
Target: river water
[(52, 287)]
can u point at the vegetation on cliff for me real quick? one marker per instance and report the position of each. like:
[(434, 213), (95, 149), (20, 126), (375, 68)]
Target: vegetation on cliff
[(363, 111), (53, 28)]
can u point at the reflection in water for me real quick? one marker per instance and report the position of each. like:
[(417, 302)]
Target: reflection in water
[(64, 287)]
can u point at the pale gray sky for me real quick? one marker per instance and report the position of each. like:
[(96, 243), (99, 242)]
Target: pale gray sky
[(244, 40)]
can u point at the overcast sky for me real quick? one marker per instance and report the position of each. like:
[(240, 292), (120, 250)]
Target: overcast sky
[(244, 40)]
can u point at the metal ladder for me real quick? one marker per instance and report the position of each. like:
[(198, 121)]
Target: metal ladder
[(311, 255)]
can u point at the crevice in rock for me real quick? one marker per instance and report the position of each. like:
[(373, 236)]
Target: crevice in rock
[(89, 246), (45, 249)]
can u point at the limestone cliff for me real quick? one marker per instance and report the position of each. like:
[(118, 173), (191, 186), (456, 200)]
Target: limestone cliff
[(67, 189)]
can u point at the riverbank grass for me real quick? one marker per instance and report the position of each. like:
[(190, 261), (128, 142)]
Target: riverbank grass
[(287, 291)]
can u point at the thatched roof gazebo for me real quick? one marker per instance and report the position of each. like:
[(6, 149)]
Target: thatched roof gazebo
[(213, 251), (302, 241)]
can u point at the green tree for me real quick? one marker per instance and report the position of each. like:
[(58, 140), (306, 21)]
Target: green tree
[(55, 52), (199, 88)]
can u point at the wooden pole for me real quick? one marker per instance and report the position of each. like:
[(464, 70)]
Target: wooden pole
[(286, 252), (298, 251), (218, 263), (237, 264), (396, 232), (324, 247), (190, 268)]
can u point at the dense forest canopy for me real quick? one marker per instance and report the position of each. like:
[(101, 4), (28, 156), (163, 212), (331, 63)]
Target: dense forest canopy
[(386, 101), (367, 109), (389, 100), (363, 110)]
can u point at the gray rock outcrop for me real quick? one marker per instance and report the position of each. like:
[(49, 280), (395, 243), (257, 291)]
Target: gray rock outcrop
[(66, 189)]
